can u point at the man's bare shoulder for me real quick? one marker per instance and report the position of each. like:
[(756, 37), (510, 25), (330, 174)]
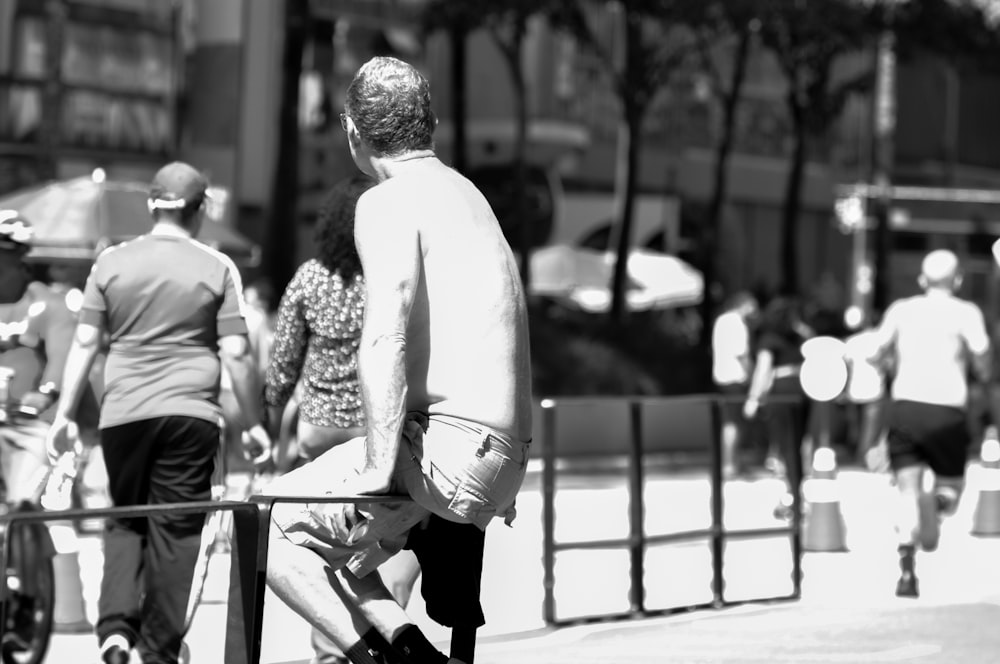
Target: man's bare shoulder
[(395, 196)]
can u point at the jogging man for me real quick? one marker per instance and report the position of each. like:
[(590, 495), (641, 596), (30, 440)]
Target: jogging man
[(171, 306), (936, 339), (450, 428)]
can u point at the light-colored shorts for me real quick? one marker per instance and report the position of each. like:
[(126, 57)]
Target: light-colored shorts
[(459, 470)]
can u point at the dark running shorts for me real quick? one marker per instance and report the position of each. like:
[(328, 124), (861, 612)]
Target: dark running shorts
[(921, 433)]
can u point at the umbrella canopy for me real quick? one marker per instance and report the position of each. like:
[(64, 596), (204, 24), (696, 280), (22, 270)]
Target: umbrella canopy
[(76, 219), (583, 276)]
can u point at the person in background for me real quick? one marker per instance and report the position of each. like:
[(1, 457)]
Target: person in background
[(938, 341), (317, 331), (259, 314), (36, 330), (171, 307), (776, 391), (732, 365), (261, 320)]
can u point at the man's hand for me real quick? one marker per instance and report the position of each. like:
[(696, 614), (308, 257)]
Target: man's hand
[(63, 436), (257, 447), (750, 408), (342, 518)]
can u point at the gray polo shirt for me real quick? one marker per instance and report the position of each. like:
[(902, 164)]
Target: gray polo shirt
[(166, 301)]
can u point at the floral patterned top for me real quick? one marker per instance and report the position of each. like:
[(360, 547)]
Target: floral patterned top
[(316, 340)]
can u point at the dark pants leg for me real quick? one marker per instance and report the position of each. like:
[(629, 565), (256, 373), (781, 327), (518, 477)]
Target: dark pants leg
[(787, 422), (156, 461)]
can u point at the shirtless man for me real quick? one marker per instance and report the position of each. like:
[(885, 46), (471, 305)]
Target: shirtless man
[(935, 337), (445, 373)]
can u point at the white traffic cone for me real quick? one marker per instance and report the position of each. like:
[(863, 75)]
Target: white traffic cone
[(986, 518), (823, 525)]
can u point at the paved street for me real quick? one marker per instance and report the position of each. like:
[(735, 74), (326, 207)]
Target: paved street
[(848, 612)]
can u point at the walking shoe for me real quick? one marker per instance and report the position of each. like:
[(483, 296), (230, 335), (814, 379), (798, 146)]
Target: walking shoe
[(115, 655), (907, 585), (115, 649)]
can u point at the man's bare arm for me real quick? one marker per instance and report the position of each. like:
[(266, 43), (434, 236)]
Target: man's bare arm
[(83, 351), (389, 247), (236, 355), (977, 340), (80, 358), (884, 340)]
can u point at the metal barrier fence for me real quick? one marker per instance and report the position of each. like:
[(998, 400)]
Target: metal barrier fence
[(248, 562), (251, 524), (638, 540), (243, 510)]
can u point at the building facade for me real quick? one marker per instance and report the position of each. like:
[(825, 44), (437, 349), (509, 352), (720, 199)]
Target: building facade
[(126, 84)]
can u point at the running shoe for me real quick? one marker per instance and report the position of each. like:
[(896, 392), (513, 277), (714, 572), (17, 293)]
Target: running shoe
[(907, 585)]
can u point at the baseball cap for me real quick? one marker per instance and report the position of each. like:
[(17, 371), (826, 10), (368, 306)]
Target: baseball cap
[(15, 232), (176, 186)]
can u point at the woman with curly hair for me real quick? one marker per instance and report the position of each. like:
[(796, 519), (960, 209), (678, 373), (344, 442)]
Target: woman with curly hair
[(314, 353)]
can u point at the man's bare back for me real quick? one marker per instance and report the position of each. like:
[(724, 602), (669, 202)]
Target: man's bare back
[(467, 353)]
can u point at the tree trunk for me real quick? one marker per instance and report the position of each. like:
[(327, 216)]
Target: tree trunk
[(629, 154), (713, 220), (279, 249), (793, 201), (626, 172)]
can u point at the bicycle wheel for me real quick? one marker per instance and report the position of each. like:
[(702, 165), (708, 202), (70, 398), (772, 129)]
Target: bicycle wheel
[(29, 600)]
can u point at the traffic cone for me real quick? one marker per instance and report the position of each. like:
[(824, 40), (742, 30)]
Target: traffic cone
[(986, 518), (823, 526), (69, 611)]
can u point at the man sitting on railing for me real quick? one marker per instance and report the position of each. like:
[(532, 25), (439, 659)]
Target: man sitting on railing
[(448, 428)]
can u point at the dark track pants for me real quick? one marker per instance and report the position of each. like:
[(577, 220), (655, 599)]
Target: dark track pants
[(149, 562)]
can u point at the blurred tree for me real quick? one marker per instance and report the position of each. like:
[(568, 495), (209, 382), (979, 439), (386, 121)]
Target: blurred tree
[(280, 234), (651, 51), (723, 31), (807, 41)]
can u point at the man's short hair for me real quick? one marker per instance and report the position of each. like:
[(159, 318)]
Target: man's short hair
[(389, 102), (178, 187), (940, 268)]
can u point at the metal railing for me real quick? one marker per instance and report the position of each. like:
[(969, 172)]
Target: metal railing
[(637, 541), (20, 518), (248, 562), (251, 525)]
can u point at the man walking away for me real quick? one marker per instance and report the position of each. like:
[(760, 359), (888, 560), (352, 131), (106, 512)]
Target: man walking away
[(171, 306)]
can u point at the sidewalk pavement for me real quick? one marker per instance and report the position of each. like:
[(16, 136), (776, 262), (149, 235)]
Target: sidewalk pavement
[(847, 613)]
